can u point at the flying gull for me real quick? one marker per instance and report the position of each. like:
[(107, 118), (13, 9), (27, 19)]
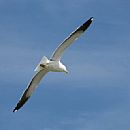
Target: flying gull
[(53, 65)]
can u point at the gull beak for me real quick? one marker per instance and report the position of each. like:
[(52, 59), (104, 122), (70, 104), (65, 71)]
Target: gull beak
[(66, 71)]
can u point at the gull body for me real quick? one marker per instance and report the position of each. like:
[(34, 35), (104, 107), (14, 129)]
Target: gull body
[(56, 66), (51, 65)]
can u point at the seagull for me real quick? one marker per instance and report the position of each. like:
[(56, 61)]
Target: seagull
[(51, 65)]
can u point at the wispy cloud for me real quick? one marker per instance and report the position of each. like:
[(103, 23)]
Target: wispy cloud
[(95, 94)]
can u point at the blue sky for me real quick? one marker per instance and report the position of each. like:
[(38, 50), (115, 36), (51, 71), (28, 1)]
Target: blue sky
[(95, 94)]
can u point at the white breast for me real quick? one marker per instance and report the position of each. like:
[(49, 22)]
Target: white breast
[(56, 66)]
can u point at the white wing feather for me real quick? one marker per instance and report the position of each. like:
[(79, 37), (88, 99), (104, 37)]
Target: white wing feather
[(69, 40), (30, 88)]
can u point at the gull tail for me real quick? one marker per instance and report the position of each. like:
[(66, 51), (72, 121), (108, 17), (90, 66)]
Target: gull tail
[(43, 62)]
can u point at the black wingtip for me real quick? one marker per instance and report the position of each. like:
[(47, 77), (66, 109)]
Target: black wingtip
[(91, 18), (15, 110), (21, 102), (85, 25), (18, 106)]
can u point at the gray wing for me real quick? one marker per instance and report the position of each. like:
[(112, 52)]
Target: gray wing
[(30, 89), (69, 40)]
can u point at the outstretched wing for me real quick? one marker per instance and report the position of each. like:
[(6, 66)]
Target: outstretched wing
[(69, 40), (30, 89)]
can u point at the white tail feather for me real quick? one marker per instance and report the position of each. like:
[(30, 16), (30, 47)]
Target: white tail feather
[(43, 61)]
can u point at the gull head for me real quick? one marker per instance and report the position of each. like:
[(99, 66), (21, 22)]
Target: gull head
[(64, 69)]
